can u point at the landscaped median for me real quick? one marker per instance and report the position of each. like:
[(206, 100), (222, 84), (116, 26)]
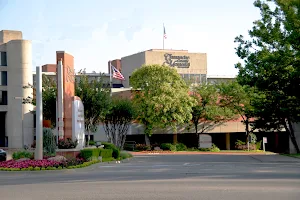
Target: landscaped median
[(179, 148), (23, 160)]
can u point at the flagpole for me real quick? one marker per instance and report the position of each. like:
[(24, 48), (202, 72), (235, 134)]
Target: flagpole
[(163, 36), (110, 78)]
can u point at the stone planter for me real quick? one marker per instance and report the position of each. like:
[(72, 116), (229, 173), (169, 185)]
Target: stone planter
[(68, 153)]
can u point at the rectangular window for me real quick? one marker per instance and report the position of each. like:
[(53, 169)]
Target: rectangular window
[(3, 97), (3, 78), (3, 59), (203, 78)]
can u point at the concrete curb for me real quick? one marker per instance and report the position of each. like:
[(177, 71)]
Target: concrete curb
[(201, 153)]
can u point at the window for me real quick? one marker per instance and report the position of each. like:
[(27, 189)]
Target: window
[(3, 97), (203, 78), (3, 59), (3, 78)]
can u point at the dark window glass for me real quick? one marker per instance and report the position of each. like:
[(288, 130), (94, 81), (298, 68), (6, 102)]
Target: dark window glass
[(3, 97), (3, 78), (3, 59)]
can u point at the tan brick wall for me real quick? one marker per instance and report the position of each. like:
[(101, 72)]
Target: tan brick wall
[(197, 61), (7, 35)]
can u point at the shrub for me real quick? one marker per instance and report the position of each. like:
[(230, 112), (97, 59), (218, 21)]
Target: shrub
[(239, 142), (49, 141), (142, 147), (89, 154), (106, 153), (214, 148), (67, 144), (22, 154), (29, 164), (253, 138), (116, 151), (94, 153), (168, 146), (180, 147), (124, 155), (92, 143), (258, 145)]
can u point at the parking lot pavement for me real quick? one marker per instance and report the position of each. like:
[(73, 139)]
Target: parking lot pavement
[(191, 177)]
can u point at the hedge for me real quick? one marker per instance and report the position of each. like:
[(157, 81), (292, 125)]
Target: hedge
[(93, 154), (116, 151)]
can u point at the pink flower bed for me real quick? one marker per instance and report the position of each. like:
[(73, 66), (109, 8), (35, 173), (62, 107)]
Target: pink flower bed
[(29, 163)]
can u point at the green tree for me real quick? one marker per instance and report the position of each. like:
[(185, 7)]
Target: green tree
[(118, 120), (240, 99), (49, 98), (208, 113), (96, 100), (163, 99), (271, 63)]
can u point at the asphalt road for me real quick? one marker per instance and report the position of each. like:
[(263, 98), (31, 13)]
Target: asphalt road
[(199, 177)]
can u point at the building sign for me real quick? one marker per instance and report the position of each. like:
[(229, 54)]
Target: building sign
[(205, 141), (177, 61), (78, 131), (70, 75)]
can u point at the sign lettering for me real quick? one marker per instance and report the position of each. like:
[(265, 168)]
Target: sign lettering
[(177, 61), (70, 75)]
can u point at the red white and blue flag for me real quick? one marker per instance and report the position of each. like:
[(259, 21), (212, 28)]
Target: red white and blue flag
[(116, 73)]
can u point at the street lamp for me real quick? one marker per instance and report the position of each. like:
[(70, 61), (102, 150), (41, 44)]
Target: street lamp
[(21, 98)]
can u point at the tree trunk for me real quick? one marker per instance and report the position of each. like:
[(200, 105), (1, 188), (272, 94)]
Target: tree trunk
[(247, 131), (198, 135), (290, 129), (147, 140), (89, 133)]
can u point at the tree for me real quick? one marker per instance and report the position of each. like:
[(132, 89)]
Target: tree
[(96, 101), (271, 63), (208, 112), (240, 99), (163, 99), (49, 98), (118, 120)]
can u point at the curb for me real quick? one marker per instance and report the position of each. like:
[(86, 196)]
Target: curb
[(202, 153)]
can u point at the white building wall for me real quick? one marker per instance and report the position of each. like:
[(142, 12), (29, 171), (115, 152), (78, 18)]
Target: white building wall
[(19, 119)]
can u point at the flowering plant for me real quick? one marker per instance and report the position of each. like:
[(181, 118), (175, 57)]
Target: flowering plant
[(29, 163)]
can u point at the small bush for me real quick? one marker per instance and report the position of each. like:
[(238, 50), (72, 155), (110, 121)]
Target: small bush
[(116, 151), (258, 145), (67, 144), (168, 146), (239, 142), (142, 147), (92, 143), (89, 154), (180, 147), (93, 154), (22, 154), (106, 153), (124, 155), (214, 148)]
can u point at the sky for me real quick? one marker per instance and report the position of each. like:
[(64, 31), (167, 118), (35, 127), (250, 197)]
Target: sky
[(96, 31)]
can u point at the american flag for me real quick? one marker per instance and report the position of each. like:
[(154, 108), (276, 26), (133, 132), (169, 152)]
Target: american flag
[(165, 35), (116, 73)]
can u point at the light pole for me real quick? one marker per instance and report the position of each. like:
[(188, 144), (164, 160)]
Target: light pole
[(21, 98)]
